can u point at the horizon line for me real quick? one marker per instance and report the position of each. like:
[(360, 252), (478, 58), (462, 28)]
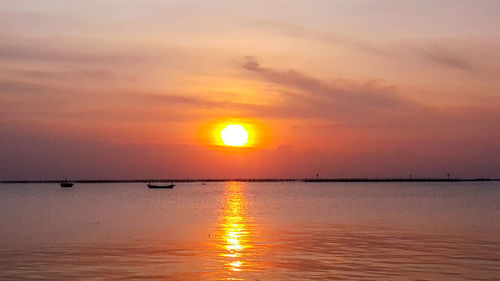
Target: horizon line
[(253, 180)]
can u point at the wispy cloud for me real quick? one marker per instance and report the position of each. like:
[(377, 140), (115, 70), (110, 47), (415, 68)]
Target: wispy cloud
[(62, 55), (347, 93), (20, 87), (339, 99), (339, 39), (93, 74), (440, 55), (433, 52), (352, 104)]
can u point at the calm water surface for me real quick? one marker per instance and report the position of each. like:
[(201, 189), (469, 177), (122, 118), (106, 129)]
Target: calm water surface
[(251, 231)]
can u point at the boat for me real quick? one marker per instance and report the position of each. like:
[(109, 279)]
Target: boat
[(66, 184), (150, 185)]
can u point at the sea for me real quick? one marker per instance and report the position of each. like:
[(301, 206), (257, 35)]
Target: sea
[(251, 231)]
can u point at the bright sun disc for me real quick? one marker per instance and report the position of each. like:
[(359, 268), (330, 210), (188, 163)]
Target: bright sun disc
[(234, 135)]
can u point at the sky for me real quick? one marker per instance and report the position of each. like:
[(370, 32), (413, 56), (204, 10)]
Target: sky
[(123, 89)]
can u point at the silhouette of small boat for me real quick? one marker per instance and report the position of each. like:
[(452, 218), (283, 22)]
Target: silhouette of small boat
[(66, 184), (161, 185)]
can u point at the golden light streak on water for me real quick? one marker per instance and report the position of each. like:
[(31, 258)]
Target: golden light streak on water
[(234, 229)]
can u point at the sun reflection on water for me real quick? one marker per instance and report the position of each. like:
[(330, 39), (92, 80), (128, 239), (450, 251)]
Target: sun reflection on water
[(234, 230)]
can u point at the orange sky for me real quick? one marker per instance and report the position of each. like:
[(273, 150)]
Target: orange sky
[(133, 89)]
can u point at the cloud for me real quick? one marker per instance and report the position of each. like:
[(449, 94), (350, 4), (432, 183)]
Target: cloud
[(297, 31), (285, 148), (369, 105), (347, 93), (90, 74), (432, 53), (445, 57), (20, 87), (349, 100), (52, 54), (193, 101)]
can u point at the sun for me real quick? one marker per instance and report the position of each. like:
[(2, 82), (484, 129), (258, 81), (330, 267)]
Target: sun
[(234, 135)]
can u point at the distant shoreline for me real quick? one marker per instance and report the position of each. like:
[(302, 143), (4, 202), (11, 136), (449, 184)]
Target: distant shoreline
[(258, 180)]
